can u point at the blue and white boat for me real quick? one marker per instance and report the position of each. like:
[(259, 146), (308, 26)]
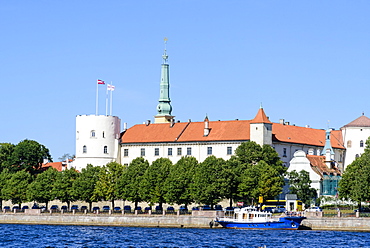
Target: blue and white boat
[(251, 218)]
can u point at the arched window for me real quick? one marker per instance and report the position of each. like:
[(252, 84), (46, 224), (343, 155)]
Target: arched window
[(103, 134), (92, 133), (84, 149), (105, 149), (357, 155), (349, 143), (361, 143)]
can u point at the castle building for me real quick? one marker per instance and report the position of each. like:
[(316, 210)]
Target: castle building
[(99, 140)]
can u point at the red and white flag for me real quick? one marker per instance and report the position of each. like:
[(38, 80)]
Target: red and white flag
[(100, 81), (110, 87)]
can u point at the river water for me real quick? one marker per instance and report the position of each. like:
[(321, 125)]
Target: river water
[(101, 236)]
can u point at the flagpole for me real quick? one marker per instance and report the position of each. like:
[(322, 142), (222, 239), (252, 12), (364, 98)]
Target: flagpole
[(106, 102), (111, 95), (96, 101)]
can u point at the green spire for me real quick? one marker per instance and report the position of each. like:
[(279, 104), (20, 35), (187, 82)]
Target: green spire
[(164, 107)]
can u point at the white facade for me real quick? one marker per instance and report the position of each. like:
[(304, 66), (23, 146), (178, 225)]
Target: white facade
[(199, 150), (354, 139), (299, 163), (97, 140), (286, 152)]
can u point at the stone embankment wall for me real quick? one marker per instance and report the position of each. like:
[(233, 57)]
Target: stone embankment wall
[(199, 219)]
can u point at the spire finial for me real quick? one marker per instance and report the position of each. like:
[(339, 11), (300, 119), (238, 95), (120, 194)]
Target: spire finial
[(165, 56), (261, 105), (363, 113)]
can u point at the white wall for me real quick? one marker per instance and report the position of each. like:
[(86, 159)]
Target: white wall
[(300, 162), (354, 135), (107, 133)]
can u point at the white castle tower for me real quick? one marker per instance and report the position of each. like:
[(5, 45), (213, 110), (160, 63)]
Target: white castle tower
[(97, 140)]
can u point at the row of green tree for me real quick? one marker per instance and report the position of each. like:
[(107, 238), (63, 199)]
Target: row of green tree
[(355, 182), (252, 172), (28, 155)]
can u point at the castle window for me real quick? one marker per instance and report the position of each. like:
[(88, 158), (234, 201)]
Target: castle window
[(93, 133), (169, 151), (349, 143), (284, 152), (188, 151), (209, 150), (84, 149), (361, 143), (156, 151), (103, 134), (229, 150), (142, 152), (125, 152), (357, 156), (310, 151), (105, 149), (179, 151)]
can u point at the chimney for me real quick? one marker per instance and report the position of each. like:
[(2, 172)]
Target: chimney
[(281, 121), (206, 127), (172, 122), (147, 122)]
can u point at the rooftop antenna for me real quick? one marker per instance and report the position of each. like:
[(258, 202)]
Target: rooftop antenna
[(165, 56)]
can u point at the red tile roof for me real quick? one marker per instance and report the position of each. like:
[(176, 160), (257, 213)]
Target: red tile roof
[(319, 166), (237, 130), (304, 135), (361, 121), (261, 117), (55, 165)]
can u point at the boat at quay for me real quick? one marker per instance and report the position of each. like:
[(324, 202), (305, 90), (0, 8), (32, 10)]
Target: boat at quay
[(251, 218)]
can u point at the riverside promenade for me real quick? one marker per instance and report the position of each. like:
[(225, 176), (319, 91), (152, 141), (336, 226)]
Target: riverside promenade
[(197, 219)]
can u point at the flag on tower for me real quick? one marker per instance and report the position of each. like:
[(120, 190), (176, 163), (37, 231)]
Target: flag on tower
[(111, 87), (100, 81)]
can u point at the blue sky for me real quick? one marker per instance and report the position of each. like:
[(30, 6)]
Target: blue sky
[(305, 61)]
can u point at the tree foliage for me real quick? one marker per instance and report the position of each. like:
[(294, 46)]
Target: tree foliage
[(300, 184), (106, 186), (355, 182), (258, 180), (63, 185), (177, 186), (84, 185), (207, 182), (42, 188), (15, 188), (130, 182), (5, 175), (29, 155), (6, 151), (251, 165), (154, 179)]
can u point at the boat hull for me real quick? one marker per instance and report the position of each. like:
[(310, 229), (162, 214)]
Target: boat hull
[(287, 223)]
